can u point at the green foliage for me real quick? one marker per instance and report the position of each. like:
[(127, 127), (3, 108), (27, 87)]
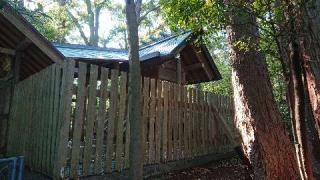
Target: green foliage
[(151, 25), (219, 50), (55, 25), (210, 18)]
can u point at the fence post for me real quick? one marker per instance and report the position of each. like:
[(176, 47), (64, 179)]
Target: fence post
[(64, 119)]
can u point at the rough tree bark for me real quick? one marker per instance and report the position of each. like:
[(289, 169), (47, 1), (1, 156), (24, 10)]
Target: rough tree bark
[(265, 141), (299, 118), (310, 47), (136, 130), (292, 66)]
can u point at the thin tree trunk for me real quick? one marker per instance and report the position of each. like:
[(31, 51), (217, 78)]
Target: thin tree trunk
[(265, 140), (136, 127)]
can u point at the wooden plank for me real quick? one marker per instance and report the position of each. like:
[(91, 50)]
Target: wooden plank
[(40, 123), (227, 129), (170, 122), (43, 85), (32, 124), (99, 168), (121, 120), (194, 123), (181, 122), (152, 121), (189, 123), (127, 145), (198, 122), (145, 116), (7, 51), (47, 118), (206, 138), (112, 119), (185, 121), (158, 120), (202, 123), (49, 115), (63, 125), (55, 112), (90, 119), (175, 129), (164, 153), (79, 119)]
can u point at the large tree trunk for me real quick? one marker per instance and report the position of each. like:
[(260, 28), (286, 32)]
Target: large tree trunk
[(291, 61), (299, 119), (265, 140), (136, 123), (310, 46)]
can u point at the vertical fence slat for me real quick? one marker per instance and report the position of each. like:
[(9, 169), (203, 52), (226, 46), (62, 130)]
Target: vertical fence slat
[(145, 116), (55, 112), (202, 122), (152, 120), (165, 123), (63, 125), (184, 134), (34, 124), (189, 123), (48, 118), (101, 120), (171, 124), (79, 118), (175, 128), (127, 138), (122, 116), (112, 119), (91, 116), (158, 121)]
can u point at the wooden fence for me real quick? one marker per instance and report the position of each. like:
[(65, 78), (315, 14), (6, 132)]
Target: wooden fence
[(72, 120)]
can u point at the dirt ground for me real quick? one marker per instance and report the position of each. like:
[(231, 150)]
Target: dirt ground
[(224, 169), (217, 170)]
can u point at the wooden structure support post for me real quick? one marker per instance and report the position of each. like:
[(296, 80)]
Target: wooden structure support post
[(179, 71)]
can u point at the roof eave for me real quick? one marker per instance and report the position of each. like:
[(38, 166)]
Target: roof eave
[(31, 33), (211, 63)]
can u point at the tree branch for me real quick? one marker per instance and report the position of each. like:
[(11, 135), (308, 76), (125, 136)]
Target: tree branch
[(78, 25), (142, 17)]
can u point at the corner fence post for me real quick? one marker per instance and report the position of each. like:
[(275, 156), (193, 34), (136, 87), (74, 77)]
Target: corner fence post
[(60, 160)]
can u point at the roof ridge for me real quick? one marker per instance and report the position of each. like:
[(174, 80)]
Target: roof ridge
[(81, 46), (165, 39)]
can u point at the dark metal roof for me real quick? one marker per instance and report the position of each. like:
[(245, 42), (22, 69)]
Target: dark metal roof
[(164, 47)]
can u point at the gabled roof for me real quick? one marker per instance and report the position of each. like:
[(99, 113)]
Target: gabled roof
[(18, 35), (11, 16), (164, 47)]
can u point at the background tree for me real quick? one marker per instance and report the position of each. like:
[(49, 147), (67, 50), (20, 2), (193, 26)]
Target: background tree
[(151, 25), (257, 118)]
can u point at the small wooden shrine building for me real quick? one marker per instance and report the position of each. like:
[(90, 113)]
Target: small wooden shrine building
[(24, 52)]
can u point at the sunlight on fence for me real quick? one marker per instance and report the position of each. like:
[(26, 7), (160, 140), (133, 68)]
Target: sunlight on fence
[(72, 120)]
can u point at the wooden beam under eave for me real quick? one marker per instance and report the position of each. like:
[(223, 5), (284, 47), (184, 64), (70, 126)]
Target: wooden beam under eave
[(193, 66), (17, 65), (24, 44), (179, 71), (7, 51), (29, 31), (205, 64)]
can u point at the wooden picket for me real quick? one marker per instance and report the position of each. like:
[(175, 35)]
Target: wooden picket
[(75, 122)]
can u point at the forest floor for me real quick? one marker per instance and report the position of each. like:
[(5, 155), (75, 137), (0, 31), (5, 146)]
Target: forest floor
[(223, 169)]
